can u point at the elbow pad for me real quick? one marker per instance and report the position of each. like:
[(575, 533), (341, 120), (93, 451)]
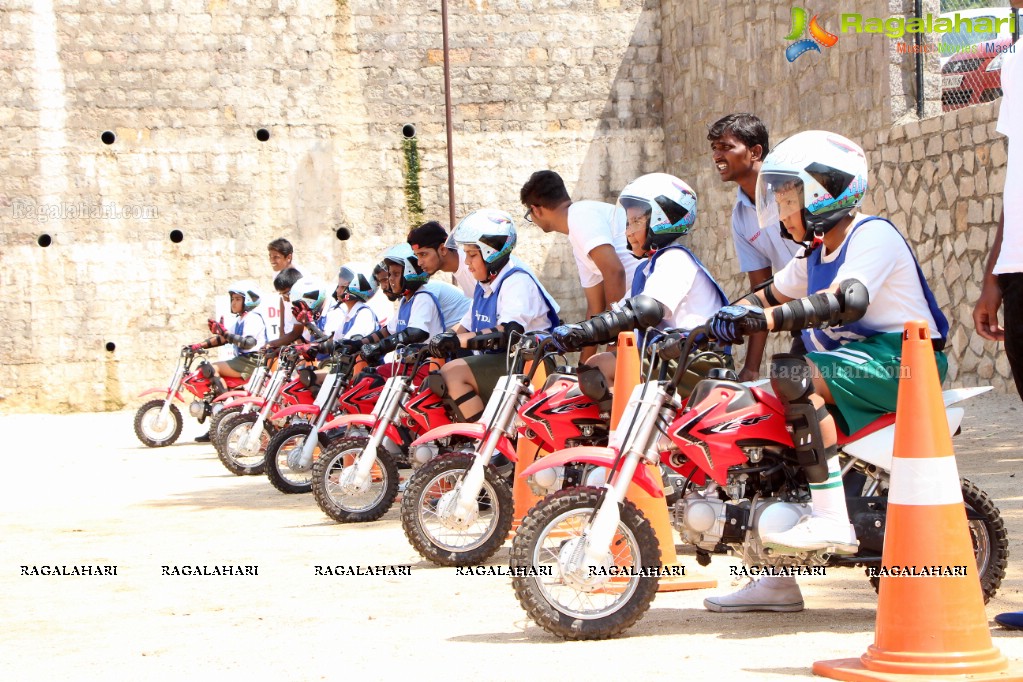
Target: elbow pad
[(823, 309), (639, 312), (402, 338), (243, 342)]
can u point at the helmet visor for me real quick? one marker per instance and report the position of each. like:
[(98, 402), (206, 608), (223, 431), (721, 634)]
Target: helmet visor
[(779, 201), (345, 276)]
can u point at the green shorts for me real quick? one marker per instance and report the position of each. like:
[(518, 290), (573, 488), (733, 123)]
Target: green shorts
[(863, 377), (244, 364), (488, 368)]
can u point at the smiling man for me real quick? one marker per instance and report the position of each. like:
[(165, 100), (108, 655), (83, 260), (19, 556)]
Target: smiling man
[(738, 143)]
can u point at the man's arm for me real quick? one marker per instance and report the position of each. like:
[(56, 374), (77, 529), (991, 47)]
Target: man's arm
[(611, 269), (985, 313), (757, 342)]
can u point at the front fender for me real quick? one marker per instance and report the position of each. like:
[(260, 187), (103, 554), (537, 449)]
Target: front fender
[(366, 420), (600, 456), (163, 391), (311, 410), (247, 400), (229, 394), (472, 431)]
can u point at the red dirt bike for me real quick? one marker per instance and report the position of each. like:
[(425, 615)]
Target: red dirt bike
[(356, 478), (158, 422), (255, 386), (457, 509), (737, 477), (244, 436), (292, 452)]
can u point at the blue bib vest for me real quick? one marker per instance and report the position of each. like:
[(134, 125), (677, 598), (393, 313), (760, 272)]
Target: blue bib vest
[(643, 272), (359, 308), (822, 275), (485, 314), (239, 330), (405, 311)]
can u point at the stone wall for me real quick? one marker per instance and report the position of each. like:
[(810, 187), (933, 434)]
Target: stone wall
[(572, 85), (940, 179)]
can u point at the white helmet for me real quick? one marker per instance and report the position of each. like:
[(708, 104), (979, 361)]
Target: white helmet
[(490, 230), (310, 291), (247, 290), (816, 175), (412, 276), (670, 203)]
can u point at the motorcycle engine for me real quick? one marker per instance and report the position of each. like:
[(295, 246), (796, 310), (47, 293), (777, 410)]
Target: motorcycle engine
[(196, 409), (714, 524)]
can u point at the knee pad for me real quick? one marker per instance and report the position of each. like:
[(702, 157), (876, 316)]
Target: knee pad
[(593, 385), (206, 369), (790, 379), (435, 382)]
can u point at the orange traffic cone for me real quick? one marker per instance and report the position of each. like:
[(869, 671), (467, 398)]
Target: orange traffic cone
[(628, 370), (522, 494), (930, 618)]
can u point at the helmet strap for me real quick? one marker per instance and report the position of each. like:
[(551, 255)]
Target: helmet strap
[(818, 239)]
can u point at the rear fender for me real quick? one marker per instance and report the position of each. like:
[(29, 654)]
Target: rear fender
[(247, 400), (367, 420), (473, 431), (602, 457), (227, 395)]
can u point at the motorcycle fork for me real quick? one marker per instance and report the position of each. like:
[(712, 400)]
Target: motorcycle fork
[(172, 390), (252, 437), (468, 490), (363, 466), (600, 530)]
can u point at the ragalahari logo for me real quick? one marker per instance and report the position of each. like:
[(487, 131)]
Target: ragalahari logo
[(798, 27)]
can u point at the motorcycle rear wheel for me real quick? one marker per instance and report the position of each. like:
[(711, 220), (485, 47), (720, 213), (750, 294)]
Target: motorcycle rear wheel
[(565, 610), (217, 422), (235, 429), (989, 537), (346, 508), (145, 424), (281, 452), (450, 547)]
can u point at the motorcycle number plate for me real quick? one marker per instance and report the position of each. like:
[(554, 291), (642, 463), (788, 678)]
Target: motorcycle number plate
[(324, 392), (617, 437), (385, 394)]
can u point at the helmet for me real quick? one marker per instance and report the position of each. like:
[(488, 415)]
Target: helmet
[(815, 174), (412, 276), (381, 269), (492, 231), (670, 203), (361, 288), (311, 292), (347, 273), (247, 290)]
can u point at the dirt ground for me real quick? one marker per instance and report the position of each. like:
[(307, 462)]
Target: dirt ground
[(102, 499)]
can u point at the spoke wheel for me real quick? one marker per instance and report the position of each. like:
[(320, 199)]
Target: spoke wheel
[(359, 506), (150, 431)]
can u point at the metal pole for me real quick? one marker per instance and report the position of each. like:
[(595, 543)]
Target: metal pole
[(919, 64), (447, 115), (1015, 25)]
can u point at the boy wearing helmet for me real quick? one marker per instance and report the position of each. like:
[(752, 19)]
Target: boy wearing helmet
[(359, 319), (851, 295), (659, 210), (507, 299)]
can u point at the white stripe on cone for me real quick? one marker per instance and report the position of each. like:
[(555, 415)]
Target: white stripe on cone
[(925, 481)]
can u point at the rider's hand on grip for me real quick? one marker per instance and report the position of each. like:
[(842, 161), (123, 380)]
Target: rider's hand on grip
[(569, 337), (444, 344), (733, 322), (193, 348), (306, 350), (371, 353)]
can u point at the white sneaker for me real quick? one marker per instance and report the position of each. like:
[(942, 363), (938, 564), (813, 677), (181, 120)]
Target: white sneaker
[(814, 533), (759, 595)]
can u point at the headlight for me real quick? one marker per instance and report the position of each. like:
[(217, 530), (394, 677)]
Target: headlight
[(996, 63)]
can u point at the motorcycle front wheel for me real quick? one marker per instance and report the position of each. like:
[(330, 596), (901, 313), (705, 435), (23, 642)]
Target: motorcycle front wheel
[(234, 431), (217, 422), (357, 507), (574, 606), (281, 461), (151, 433), (444, 541)]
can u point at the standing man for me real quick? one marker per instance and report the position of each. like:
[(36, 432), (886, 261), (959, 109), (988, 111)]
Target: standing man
[(601, 251), (739, 144), (1003, 276)]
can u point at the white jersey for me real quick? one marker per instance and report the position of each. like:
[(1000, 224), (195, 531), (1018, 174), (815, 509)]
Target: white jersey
[(592, 224), (1010, 124), (468, 283)]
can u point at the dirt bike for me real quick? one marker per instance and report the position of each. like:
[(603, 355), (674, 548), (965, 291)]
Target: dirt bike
[(244, 436), (356, 478), (290, 454), (254, 386), (737, 478), (158, 422), (457, 509)]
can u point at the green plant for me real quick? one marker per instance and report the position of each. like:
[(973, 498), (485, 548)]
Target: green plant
[(413, 200)]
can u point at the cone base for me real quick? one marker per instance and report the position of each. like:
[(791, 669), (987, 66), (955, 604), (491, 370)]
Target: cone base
[(853, 670)]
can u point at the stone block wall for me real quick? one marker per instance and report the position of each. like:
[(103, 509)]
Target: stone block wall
[(572, 85), (939, 179)]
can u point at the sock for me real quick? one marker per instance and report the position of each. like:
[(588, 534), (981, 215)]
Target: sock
[(829, 497)]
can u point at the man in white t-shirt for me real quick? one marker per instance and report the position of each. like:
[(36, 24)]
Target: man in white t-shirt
[(606, 266), (1003, 277), (739, 144)]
